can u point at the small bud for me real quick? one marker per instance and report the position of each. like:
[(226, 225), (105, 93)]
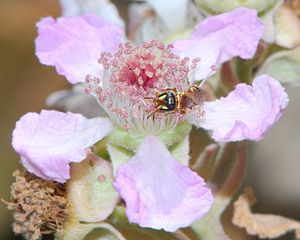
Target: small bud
[(220, 6)]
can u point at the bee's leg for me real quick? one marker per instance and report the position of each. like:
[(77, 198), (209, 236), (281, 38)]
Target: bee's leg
[(195, 102), (153, 112), (150, 98), (170, 112), (157, 92)]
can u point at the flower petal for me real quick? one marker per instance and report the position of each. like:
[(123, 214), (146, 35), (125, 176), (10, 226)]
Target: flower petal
[(237, 33), (49, 141), (268, 19), (232, 34), (153, 19), (160, 192), (76, 100), (246, 113), (143, 24), (166, 11), (103, 8), (73, 44), (207, 52)]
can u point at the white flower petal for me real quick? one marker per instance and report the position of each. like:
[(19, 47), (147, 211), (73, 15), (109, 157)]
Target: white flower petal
[(103, 8), (166, 10)]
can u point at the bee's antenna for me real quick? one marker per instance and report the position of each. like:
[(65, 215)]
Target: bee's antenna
[(213, 69), (190, 75), (147, 98), (202, 82), (153, 112)]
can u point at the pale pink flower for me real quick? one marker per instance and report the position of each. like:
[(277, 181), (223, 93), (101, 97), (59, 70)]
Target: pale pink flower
[(158, 190)]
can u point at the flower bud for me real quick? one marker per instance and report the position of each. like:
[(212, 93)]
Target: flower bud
[(220, 6)]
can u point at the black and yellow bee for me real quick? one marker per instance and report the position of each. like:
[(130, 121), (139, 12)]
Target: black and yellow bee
[(170, 100)]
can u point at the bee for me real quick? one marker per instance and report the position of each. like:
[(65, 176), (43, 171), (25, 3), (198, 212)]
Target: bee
[(170, 100)]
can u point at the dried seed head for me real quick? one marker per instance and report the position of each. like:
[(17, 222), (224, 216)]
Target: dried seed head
[(40, 206)]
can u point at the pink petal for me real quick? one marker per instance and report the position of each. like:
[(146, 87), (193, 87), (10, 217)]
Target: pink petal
[(246, 113), (160, 192), (49, 141), (73, 44), (237, 33), (206, 51), (232, 34)]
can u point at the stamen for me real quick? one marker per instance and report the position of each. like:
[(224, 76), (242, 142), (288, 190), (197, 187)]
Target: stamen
[(134, 73)]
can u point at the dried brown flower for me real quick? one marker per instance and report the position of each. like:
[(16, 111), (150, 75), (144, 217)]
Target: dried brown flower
[(264, 225), (40, 206)]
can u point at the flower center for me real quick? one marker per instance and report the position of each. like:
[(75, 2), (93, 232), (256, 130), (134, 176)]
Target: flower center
[(145, 67), (140, 72), (134, 74)]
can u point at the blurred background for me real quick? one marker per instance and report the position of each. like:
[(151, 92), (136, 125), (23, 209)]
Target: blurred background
[(273, 166), (24, 83)]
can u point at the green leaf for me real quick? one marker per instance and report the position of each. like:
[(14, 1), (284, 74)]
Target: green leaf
[(180, 151), (118, 155), (131, 141), (210, 227), (217, 6), (91, 196), (283, 66), (90, 231)]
